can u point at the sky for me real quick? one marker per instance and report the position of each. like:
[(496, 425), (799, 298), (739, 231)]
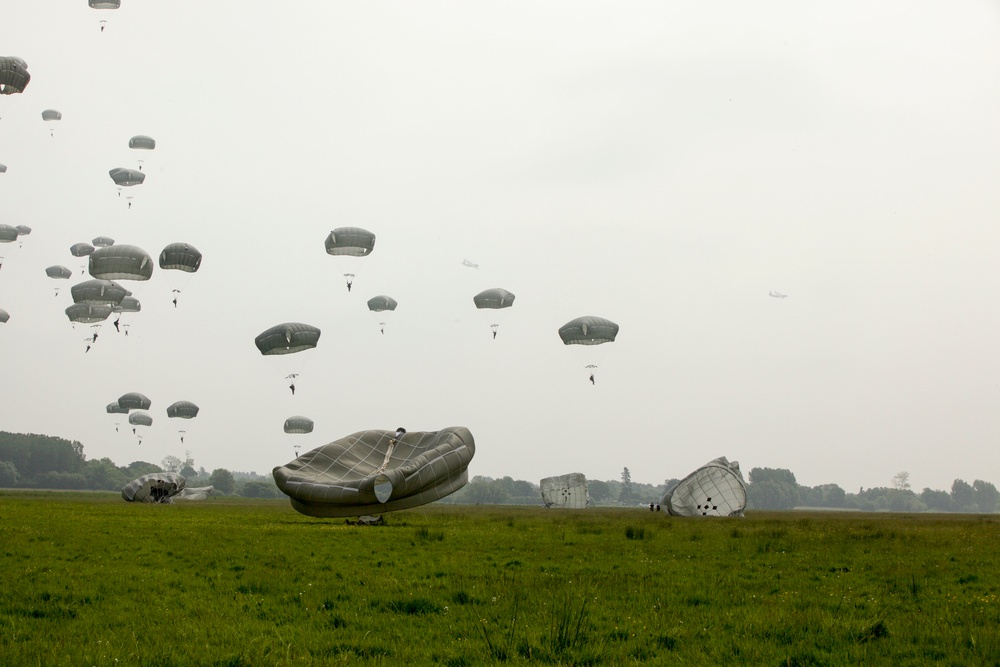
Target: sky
[(664, 165)]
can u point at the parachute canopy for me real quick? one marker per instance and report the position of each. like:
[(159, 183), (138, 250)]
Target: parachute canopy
[(715, 489), (51, 114), (4, 316), (121, 262), (105, 4), (128, 304), (380, 303), (180, 257), (124, 177), (565, 491), (103, 241), (14, 75), (195, 493), (88, 313), (58, 271), (23, 230), (494, 298), (353, 241), (378, 471), (183, 410), (3, 168), (140, 419), (8, 233), (98, 292), (142, 142), (157, 487), (298, 424), (287, 338), (588, 330), (134, 401), (81, 249), (115, 409)]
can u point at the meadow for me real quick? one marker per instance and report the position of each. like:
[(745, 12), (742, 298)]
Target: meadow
[(88, 579)]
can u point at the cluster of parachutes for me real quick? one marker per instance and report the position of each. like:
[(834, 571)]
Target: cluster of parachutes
[(136, 406)]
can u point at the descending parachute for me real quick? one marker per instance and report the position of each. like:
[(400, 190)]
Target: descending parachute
[(121, 262), (103, 241), (142, 142), (140, 419), (4, 316), (180, 257), (116, 409), (157, 487), (14, 75), (354, 244), (715, 489), (98, 291), (382, 304), (51, 115), (23, 230), (3, 168), (182, 410), (133, 400), (8, 233), (378, 471), (125, 177), (104, 4), (565, 491), (298, 425), (128, 304), (588, 331), (496, 298)]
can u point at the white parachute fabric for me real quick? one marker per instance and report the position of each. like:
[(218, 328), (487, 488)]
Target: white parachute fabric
[(195, 493), (715, 489), (378, 471), (157, 487), (565, 491)]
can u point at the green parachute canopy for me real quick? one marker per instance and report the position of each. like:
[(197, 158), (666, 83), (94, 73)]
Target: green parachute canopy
[(126, 178), (142, 142), (121, 262), (103, 241), (98, 291), (140, 419), (353, 241), (88, 313), (133, 400), (115, 409), (565, 491), (715, 489), (59, 272), (157, 487), (287, 338), (4, 316), (51, 114), (81, 249), (182, 410), (180, 257), (23, 230), (8, 233), (378, 471), (14, 75), (588, 330), (298, 425), (129, 304), (494, 298), (381, 303)]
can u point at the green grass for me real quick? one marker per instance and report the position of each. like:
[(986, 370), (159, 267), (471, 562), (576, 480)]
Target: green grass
[(91, 580)]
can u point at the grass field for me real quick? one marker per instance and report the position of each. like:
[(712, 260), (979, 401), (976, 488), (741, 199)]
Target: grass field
[(88, 579)]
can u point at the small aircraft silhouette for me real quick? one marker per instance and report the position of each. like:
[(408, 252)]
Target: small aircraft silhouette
[(469, 264), (777, 295)]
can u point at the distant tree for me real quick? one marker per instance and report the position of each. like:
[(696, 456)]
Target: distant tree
[(222, 480), (627, 495), (772, 489), (187, 472), (8, 474), (171, 464), (599, 491), (60, 480), (35, 454), (260, 490), (985, 495), (104, 475), (936, 501), (140, 468), (901, 480), (484, 491), (963, 496)]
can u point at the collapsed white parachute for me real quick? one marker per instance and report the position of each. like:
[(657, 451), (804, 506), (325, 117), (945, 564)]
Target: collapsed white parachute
[(157, 487), (565, 491), (715, 489), (195, 493)]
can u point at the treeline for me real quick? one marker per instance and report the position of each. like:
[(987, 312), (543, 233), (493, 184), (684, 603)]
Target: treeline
[(45, 462)]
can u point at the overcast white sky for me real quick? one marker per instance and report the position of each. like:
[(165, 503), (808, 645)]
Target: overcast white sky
[(661, 164)]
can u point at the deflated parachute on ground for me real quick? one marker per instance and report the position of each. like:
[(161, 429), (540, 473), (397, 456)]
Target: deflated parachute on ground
[(157, 487), (378, 471), (715, 489), (565, 491)]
